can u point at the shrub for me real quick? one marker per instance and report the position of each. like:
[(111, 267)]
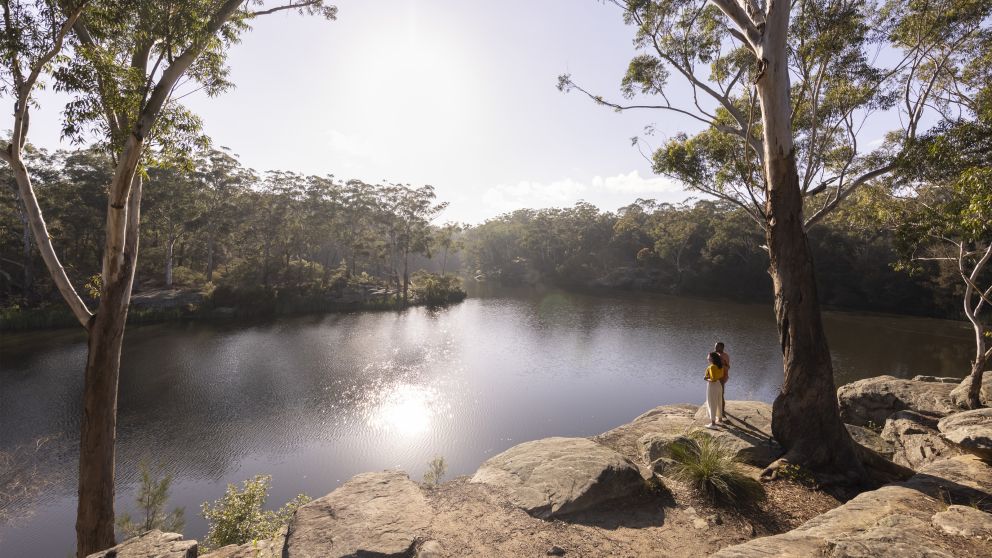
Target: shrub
[(708, 465), (435, 471), (185, 277), (238, 517), (151, 500), (437, 290)]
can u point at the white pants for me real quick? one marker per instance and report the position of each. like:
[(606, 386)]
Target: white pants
[(714, 400)]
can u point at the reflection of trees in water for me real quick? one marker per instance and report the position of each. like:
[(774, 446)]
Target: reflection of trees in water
[(29, 473)]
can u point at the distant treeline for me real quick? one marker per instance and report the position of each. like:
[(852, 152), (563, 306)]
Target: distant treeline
[(290, 239), (244, 238), (704, 248)]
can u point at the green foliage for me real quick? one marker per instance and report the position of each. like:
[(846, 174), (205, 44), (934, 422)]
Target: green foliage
[(238, 517), (435, 471), (151, 499), (437, 290), (709, 466)]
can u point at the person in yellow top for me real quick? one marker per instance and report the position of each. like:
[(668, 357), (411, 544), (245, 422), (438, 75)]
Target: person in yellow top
[(714, 389)]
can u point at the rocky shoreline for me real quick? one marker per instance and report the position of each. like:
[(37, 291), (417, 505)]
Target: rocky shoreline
[(608, 495)]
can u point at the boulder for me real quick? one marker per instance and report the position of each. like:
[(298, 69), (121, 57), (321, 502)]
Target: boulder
[(151, 544), (969, 430), (895, 520), (747, 431), (873, 400), (915, 439), (938, 379), (267, 548), (373, 514), (986, 394), (964, 479), (871, 440), (655, 445), (635, 439), (964, 521), (884, 522), (556, 476)]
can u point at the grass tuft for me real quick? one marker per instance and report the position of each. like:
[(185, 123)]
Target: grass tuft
[(709, 466)]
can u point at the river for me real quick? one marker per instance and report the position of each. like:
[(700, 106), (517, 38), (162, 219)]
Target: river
[(314, 400)]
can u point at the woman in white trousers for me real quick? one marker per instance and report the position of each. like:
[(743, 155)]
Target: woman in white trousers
[(714, 389)]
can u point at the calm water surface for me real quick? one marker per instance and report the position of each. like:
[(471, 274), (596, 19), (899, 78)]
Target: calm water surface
[(313, 401)]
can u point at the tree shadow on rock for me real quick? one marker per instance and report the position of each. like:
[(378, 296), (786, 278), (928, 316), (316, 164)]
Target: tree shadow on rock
[(641, 510)]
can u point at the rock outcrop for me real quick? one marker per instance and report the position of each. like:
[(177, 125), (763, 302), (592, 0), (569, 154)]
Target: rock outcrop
[(915, 439), (557, 476), (873, 400), (373, 514), (747, 431), (900, 519), (266, 548), (964, 521), (871, 440), (152, 544), (969, 430)]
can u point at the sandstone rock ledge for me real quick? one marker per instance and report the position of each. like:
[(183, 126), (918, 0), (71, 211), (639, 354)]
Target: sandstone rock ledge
[(588, 497), (152, 544), (556, 476), (907, 519)]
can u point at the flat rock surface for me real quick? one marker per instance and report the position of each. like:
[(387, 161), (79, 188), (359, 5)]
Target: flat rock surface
[(964, 521), (873, 400), (896, 520), (964, 479), (373, 514), (969, 430), (632, 439), (871, 440), (152, 544), (915, 439), (555, 476), (747, 430), (268, 548)]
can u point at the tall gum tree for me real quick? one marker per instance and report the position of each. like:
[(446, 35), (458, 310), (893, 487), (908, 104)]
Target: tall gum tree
[(125, 65), (782, 91)]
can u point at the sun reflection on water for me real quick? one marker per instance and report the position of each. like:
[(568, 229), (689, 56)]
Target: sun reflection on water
[(403, 408)]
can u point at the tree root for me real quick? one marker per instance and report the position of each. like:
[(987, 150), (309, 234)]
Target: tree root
[(874, 470)]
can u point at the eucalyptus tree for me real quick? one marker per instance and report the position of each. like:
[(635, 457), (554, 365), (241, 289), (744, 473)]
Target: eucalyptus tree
[(175, 203), (947, 174), (412, 211), (447, 239), (781, 91), (123, 63), (945, 215), (224, 182)]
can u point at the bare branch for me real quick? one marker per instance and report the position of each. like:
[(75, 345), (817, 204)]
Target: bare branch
[(742, 20)]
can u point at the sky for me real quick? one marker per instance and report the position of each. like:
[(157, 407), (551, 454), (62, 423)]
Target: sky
[(457, 94), (460, 95)]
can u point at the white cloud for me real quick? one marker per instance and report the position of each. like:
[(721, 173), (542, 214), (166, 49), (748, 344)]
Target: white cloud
[(507, 197), (607, 193), (634, 183)]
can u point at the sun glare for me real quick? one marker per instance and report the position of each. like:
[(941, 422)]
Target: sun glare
[(405, 409)]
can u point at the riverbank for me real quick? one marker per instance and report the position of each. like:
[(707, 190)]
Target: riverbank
[(159, 305), (613, 495)]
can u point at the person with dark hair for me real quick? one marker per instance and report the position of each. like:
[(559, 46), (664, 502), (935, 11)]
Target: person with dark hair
[(714, 390), (725, 358)]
